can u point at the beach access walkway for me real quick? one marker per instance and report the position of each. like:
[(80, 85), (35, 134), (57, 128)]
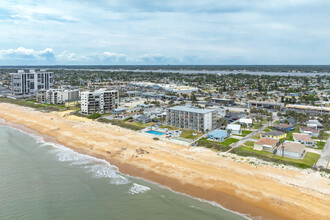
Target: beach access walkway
[(325, 156)]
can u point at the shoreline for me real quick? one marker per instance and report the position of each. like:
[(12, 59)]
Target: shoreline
[(229, 195)]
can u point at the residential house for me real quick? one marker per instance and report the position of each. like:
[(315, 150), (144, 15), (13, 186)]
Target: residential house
[(314, 124), (267, 144), (247, 121), (310, 131), (303, 139), (284, 127), (234, 128), (142, 119), (292, 150), (218, 135), (274, 135)]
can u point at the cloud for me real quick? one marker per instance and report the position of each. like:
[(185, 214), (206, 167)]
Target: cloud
[(27, 54)]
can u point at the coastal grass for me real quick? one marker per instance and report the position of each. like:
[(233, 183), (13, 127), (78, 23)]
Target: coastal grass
[(33, 104), (169, 127), (308, 162), (249, 143), (135, 126), (229, 141), (188, 134), (203, 142), (289, 135), (320, 145)]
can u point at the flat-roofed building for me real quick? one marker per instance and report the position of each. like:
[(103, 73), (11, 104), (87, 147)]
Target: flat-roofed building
[(27, 83), (303, 139), (274, 134), (99, 101), (191, 118), (262, 104), (57, 96)]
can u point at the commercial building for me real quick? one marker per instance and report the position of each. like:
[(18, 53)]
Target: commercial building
[(308, 108), (191, 118), (27, 83), (99, 101), (57, 96), (261, 104)]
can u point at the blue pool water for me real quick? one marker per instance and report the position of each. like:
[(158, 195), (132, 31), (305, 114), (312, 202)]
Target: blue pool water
[(155, 132)]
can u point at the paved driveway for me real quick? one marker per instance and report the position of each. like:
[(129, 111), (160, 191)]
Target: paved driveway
[(325, 156)]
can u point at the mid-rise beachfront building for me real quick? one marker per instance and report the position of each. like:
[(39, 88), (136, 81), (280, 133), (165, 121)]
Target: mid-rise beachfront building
[(57, 96), (27, 83), (191, 118), (99, 101)]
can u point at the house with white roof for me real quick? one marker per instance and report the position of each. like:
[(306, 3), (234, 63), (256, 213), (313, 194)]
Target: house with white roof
[(235, 128)]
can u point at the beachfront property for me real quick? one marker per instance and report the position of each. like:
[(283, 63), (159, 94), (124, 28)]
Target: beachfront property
[(292, 150), (57, 96), (218, 135), (274, 134), (142, 119), (303, 139), (191, 118), (99, 101), (27, 83), (310, 131), (267, 144), (234, 128), (284, 127)]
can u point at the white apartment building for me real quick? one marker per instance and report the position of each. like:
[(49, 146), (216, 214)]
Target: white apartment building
[(99, 101), (27, 83), (191, 118), (57, 96)]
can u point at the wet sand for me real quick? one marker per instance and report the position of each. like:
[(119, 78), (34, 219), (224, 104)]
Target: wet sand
[(265, 191)]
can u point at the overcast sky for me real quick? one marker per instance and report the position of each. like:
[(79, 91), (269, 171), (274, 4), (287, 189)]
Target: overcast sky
[(164, 32)]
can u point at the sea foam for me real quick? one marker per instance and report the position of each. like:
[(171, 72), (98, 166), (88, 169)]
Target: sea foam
[(137, 188)]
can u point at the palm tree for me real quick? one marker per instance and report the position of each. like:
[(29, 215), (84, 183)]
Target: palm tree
[(270, 120), (228, 132)]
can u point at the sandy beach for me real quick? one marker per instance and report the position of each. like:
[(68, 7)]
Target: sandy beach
[(266, 191)]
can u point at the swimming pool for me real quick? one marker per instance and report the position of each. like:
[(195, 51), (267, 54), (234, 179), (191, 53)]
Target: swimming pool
[(155, 132)]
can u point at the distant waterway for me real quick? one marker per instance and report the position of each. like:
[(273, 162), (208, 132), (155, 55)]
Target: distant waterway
[(41, 180), (212, 72)]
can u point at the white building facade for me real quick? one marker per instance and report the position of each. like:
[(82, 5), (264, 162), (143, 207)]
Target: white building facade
[(99, 101), (191, 118), (27, 83), (57, 96)]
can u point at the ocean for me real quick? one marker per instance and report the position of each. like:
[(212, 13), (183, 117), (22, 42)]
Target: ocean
[(40, 180)]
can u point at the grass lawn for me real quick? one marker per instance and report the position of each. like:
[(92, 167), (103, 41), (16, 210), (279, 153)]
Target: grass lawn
[(169, 127), (320, 145), (229, 141), (188, 134), (140, 125), (244, 133), (289, 135), (249, 143), (212, 144), (309, 160), (266, 130)]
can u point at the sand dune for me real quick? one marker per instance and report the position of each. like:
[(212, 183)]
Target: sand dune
[(265, 191)]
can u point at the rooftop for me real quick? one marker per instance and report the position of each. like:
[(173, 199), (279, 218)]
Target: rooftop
[(274, 133), (303, 137), (294, 147), (191, 109), (266, 141), (283, 126), (309, 129)]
